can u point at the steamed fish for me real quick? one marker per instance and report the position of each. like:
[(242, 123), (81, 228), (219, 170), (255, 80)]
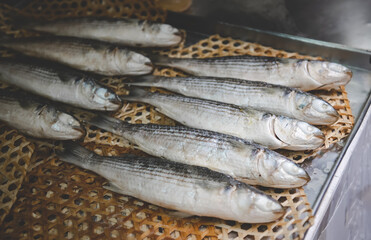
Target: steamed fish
[(261, 127), (87, 55), (131, 32), (297, 73), (265, 97), (239, 158), (190, 189), (58, 83), (32, 116)]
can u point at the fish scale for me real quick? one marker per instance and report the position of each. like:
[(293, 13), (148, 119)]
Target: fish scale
[(87, 55), (246, 123), (190, 189), (37, 118), (130, 32), (304, 74), (228, 154), (58, 83), (275, 99)]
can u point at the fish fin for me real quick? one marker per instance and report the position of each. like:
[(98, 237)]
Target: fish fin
[(136, 94), (75, 154), (105, 122), (113, 187), (178, 214)]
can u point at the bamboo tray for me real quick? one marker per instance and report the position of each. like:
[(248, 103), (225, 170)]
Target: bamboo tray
[(58, 200)]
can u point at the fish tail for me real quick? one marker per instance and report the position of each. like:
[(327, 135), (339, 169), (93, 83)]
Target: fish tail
[(107, 123), (136, 94), (76, 154)]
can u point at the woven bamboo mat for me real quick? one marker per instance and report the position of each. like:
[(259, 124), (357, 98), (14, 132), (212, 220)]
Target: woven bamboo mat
[(60, 201)]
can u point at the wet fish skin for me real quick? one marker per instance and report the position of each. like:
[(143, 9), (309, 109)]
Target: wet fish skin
[(58, 83), (243, 160), (87, 55), (246, 123), (297, 73), (32, 116), (271, 98), (191, 189), (130, 32)]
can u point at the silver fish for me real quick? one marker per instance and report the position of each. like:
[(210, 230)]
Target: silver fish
[(87, 55), (271, 98), (297, 73), (261, 127), (36, 118), (190, 189), (131, 32), (243, 160), (58, 83)]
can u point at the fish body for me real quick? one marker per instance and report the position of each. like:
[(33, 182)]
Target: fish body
[(36, 118), (297, 73), (246, 123), (270, 98), (130, 32), (87, 55), (239, 158), (191, 189), (58, 83)]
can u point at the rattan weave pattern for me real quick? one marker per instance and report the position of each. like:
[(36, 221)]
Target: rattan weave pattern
[(15, 155), (59, 200)]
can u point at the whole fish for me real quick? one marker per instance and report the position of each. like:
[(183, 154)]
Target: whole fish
[(190, 189), (87, 55), (271, 98), (243, 160), (32, 116), (297, 73), (261, 127), (131, 32), (58, 83)]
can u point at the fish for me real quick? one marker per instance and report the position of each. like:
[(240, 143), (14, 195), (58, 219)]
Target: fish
[(37, 118), (296, 73), (58, 83), (275, 99), (86, 55), (261, 127), (125, 31), (241, 159), (190, 189)]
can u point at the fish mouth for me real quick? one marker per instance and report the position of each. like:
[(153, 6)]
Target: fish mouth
[(279, 212), (319, 135), (328, 74), (80, 129), (149, 64), (178, 34), (349, 73), (306, 178)]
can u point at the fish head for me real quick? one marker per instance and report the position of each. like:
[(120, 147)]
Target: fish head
[(62, 126), (134, 63), (250, 201), (168, 34), (102, 98), (316, 110), (278, 171), (297, 135), (328, 75), (162, 34)]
